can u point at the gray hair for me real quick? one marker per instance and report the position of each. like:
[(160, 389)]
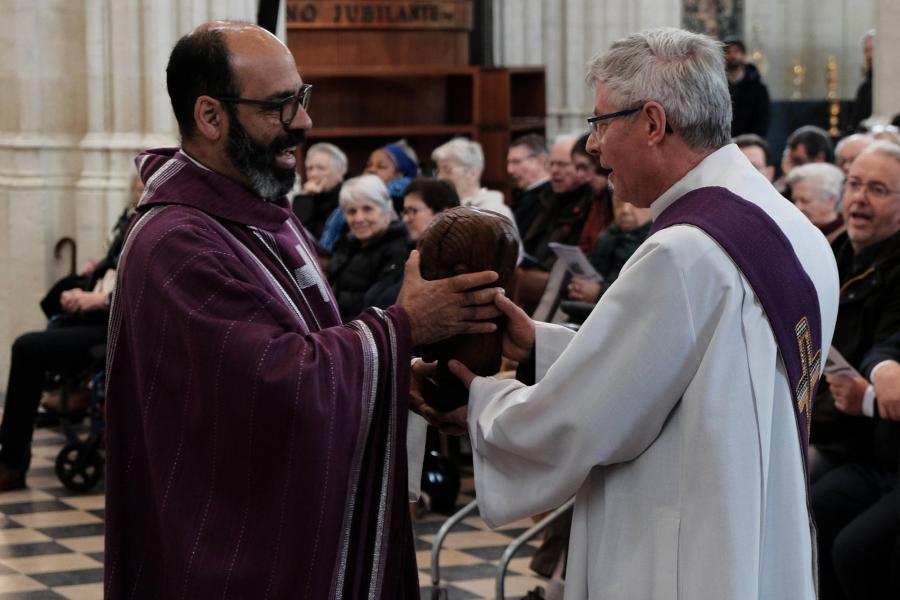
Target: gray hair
[(851, 138), (367, 187), (566, 137), (536, 144), (883, 147), (462, 150), (825, 177), (683, 71), (338, 158)]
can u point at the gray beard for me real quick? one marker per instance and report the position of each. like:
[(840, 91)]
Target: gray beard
[(257, 161), (269, 188)]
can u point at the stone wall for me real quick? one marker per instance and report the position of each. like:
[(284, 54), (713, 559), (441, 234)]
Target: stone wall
[(565, 34), (79, 102)]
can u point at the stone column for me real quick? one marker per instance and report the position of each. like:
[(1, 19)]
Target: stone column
[(563, 36), (81, 98), (886, 80), (808, 31), (41, 116)]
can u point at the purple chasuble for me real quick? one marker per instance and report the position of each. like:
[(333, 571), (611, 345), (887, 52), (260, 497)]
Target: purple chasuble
[(766, 258), (256, 445)]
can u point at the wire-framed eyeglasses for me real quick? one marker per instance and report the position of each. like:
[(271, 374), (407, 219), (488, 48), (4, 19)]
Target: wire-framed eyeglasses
[(873, 189)]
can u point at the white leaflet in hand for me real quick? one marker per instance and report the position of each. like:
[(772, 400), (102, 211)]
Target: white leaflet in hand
[(836, 363), (576, 261)]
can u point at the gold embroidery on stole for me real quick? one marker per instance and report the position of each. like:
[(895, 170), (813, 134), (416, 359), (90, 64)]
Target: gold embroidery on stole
[(811, 368)]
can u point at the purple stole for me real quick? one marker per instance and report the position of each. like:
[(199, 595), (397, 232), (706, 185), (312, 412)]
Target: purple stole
[(766, 258)]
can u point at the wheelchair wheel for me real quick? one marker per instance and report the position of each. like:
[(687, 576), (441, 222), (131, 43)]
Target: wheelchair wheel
[(79, 467)]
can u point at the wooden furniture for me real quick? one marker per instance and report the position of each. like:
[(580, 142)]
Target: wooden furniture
[(513, 103), (360, 109), (382, 71)]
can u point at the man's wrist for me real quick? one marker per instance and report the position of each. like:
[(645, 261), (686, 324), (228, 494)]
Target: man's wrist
[(879, 366)]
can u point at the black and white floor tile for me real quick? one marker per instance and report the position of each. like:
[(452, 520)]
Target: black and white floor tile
[(51, 542)]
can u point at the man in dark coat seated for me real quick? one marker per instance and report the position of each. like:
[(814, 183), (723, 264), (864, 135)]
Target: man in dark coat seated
[(560, 219), (526, 165), (857, 505), (868, 263), (77, 307)]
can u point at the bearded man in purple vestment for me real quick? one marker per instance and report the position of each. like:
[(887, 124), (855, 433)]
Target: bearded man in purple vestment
[(256, 445)]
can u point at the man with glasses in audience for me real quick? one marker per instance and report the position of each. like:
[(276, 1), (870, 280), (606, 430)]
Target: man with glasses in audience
[(854, 557), (526, 165), (560, 219), (677, 416), (256, 445), (868, 259)]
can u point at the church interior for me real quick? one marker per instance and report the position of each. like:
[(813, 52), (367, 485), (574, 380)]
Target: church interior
[(479, 103)]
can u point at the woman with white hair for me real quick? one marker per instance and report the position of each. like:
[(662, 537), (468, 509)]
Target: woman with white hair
[(461, 162), (374, 248), (816, 190), (326, 166)]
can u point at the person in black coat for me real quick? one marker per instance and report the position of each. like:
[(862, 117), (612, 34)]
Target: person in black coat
[(375, 248), (749, 95), (77, 308), (613, 248), (857, 505), (423, 200), (868, 262)]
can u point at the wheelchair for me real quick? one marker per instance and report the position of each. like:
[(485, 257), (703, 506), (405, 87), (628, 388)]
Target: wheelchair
[(79, 465)]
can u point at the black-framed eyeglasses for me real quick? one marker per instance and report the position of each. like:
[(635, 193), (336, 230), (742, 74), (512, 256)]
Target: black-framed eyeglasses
[(287, 107), (412, 211), (595, 121)]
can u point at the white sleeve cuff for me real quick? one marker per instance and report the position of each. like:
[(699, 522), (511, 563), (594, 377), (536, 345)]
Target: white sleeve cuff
[(879, 365), (868, 403), (416, 432)]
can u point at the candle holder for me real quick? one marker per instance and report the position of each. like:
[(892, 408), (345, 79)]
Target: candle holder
[(832, 72), (798, 78)]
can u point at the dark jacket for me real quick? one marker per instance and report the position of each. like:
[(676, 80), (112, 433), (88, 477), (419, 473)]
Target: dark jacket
[(560, 219), (868, 313), (886, 437), (613, 249), (384, 292), (313, 209), (355, 269), (750, 103), (862, 104), (526, 204)]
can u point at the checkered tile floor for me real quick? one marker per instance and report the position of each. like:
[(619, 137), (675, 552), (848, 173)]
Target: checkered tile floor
[(51, 542), (471, 554), (51, 539)]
